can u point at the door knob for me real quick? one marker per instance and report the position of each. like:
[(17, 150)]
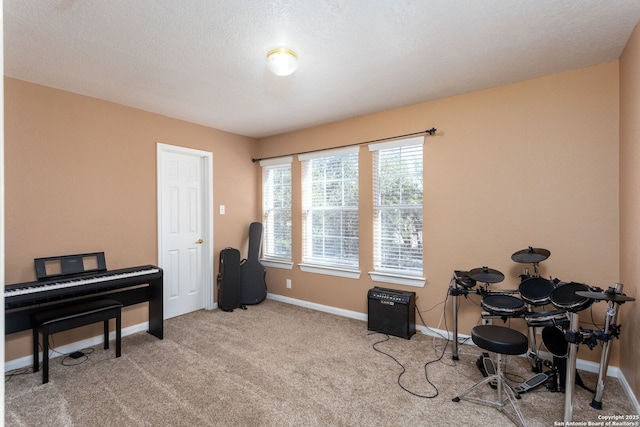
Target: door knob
[(199, 241)]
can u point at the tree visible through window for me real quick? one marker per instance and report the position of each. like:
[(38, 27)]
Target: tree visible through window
[(398, 206), (330, 208)]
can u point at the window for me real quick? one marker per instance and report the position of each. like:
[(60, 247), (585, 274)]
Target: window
[(276, 208), (330, 231), (398, 206)]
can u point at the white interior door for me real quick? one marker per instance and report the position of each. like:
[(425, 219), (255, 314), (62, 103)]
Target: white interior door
[(185, 225)]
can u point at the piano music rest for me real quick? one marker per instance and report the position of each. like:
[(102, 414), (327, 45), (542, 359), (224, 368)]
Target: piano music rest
[(68, 317)]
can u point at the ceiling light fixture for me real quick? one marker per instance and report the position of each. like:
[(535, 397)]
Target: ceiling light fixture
[(282, 61)]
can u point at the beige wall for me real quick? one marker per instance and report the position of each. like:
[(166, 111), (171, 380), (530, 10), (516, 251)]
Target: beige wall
[(630, 207), (81, 177), (532, 163)]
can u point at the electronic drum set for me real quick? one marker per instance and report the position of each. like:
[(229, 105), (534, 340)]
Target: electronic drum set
[(561, 334)]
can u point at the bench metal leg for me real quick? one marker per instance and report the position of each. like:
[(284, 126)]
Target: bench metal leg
[(45, 356), (106, 334), (36, 358), (118, 334)]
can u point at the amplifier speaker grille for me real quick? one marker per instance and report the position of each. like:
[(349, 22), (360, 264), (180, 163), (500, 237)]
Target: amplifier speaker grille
[(391, 312)]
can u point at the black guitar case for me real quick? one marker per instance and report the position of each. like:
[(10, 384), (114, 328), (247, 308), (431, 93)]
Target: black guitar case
[(253, 288), (228, 279)]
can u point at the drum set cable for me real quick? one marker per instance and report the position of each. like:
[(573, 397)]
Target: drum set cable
[(439, 357), (439, 349)]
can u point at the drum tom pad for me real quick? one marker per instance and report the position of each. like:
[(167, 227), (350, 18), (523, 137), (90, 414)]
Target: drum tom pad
[(536, 291), (564, 297)]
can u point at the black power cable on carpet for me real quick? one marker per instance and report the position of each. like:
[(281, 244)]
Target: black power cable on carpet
[(405, 370)]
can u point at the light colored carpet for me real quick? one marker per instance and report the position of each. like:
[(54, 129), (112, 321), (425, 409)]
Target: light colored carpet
[(276, 364)]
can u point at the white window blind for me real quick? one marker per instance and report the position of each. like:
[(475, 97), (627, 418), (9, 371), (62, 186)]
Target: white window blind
[(276, 207), (398, 206), (330, 208)]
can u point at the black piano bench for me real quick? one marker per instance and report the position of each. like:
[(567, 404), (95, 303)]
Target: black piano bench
[(60, 319)]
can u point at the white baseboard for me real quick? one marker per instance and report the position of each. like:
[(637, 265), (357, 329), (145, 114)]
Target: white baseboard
[(27, 361), (627, 388), (584, 365), (319, 307)]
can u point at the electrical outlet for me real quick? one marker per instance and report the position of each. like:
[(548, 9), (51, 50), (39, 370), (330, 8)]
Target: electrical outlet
[(288, 283)]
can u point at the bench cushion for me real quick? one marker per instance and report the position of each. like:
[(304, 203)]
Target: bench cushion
[(69, 312)]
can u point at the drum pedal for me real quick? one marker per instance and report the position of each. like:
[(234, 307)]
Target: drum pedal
[(533, 382), (487, 368)]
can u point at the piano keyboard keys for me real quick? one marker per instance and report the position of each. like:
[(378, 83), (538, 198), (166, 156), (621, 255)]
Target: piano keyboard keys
[(35, 287)]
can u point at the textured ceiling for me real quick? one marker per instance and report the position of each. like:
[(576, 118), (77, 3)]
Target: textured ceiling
[(205, 60)]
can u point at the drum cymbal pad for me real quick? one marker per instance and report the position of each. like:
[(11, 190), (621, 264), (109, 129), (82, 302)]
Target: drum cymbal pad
[(605, 296), (486, 275), (530, 255)]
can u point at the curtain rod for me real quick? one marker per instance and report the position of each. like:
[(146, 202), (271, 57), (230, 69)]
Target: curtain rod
[(429, 131)]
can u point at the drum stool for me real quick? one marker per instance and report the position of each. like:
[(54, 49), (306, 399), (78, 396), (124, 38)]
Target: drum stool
[(500, 340)]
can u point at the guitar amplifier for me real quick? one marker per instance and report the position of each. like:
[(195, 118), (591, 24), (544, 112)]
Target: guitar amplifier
[(392, 312)]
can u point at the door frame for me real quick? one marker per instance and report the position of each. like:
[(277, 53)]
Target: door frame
[(206, 158)]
